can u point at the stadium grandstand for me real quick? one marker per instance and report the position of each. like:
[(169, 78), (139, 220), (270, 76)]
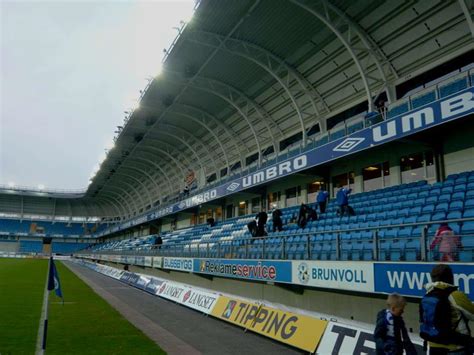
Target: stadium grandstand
[(261, 105)]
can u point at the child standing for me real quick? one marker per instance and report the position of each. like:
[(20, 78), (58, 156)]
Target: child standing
[(391, 336)]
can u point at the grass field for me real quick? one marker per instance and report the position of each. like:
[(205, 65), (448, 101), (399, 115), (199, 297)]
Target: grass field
[(85, 324), (21, 293)]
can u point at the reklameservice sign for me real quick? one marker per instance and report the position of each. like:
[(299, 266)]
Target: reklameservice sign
[(339, 275), (294, 329), (190, 297), (409, 278), (266, 270)]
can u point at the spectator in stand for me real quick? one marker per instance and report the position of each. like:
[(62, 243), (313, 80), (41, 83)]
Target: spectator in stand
[(390, 335), (276, 218), (158, 242), (211, 222), (252, 227), (262, 218), (312, 214), (302, 216), (322, 200), (449, 244), (342, 198), (186, 191)]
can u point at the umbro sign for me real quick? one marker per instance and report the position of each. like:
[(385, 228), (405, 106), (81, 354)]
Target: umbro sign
[(348, 144)]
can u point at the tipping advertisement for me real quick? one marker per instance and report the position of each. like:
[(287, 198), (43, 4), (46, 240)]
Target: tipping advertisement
[(409, 278), (179, 264), (264, 270), (341, 275), (294, 329)]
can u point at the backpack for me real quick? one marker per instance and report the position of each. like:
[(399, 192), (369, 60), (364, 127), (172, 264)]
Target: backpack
[(435, 317)]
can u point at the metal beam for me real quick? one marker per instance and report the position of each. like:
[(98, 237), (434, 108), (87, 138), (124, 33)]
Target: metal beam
[(293, 83), (210, 131), (144, 172), (140, 183), (467, 11), (345, 31), (144, 159)]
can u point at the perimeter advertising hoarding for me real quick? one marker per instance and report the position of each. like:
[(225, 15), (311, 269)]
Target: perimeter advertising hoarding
[(347, 339), (158, 262), (294, 329), (154, 285), (409, 278), (261, 270), (179, 264), (436, 113), (341, 275), (190, 297), (148, 261)]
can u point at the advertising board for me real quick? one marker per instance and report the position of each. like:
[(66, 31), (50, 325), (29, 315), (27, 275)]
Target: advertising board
[(409, 278), (341, 275), (266, 270), (179, 264), (294, 329)]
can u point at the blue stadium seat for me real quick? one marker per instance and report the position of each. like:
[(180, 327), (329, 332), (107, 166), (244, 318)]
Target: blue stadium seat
[(468, 213), (424, 99), (468, 227), (453, 87), (398, 110)]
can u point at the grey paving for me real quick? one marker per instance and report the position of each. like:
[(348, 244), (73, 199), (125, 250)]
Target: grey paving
[(177, 329)]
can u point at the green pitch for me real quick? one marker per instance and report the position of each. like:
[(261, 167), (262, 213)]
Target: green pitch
[(85, 324)]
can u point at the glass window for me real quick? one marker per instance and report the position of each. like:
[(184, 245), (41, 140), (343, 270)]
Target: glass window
[(274, 200), (256, 205), (418, 166), (292, 195), (346, 179), (229, 211), (313, 190), (242, 208), (376, 176)]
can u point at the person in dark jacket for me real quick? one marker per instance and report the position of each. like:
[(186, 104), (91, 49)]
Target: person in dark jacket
[(322, 200), (390, 335), (252, 227), (276, 218), (342, 198), (158, 242), (312, 214), (262, 218), (302, 219)]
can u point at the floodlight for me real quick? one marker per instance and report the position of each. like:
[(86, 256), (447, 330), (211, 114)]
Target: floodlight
[(11, 184), (40, 187)]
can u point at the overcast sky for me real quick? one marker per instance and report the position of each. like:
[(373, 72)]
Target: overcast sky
[(68, 71)]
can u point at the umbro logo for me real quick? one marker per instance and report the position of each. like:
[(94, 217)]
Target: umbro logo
[(234, 186), (348, 144)]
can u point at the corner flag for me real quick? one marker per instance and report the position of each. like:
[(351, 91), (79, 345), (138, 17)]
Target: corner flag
[(53, 280)]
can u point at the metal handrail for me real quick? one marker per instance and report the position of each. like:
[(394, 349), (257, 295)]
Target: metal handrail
[(179, 249)]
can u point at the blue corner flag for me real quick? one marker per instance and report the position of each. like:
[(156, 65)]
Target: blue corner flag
[(53, 280)]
